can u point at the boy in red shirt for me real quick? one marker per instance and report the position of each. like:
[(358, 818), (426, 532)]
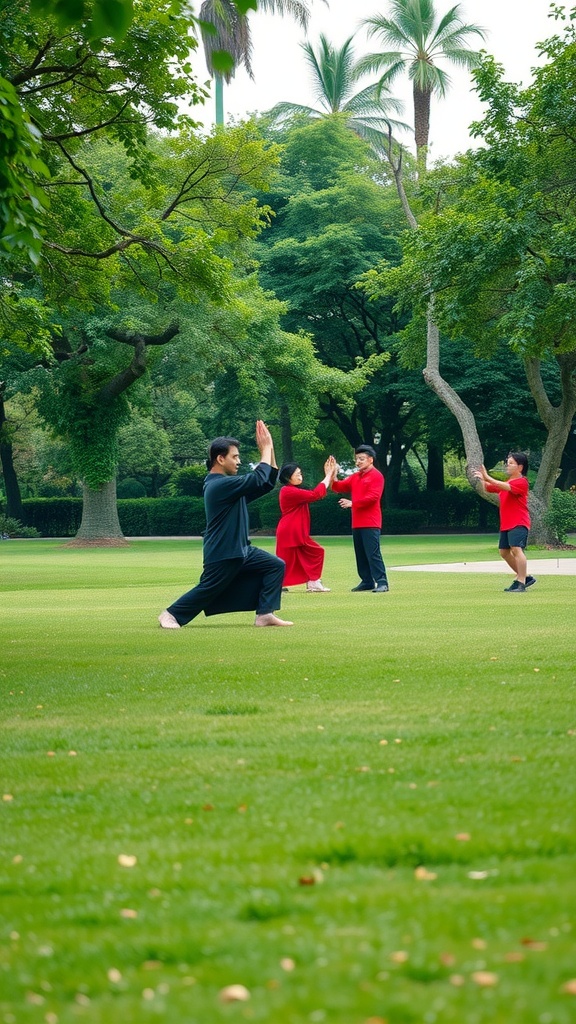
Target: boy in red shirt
[(514, 517), (365, 488)]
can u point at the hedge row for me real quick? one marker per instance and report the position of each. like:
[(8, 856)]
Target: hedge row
[(451, 509)]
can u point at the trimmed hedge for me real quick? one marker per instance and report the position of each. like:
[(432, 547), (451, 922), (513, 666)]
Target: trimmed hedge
[(53, 517), (452, 509)]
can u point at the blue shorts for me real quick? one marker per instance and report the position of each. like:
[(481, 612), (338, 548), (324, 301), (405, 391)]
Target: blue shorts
[(517, 537)]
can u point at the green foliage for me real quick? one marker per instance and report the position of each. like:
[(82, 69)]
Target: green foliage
[(10, 527), (560, 516), (53, 517), (188, 481), (129, 487), (22, 201), (72, 404)]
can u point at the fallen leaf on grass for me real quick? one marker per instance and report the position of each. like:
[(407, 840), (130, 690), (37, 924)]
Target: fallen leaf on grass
[(457, 980), (400, 956), (242, 808), (113, 975), (234, 994), (479, 943), (423, 875), (128, 913), (447, 959), (316, 876), (478, 876), (534, 944), (287, 964), (127, 860), (569, 987), (514, 957), (7, 798), (376, 1020), (363, 768), (463, 837), (208, 807), (383, 743), (486, 979), (72, 753)]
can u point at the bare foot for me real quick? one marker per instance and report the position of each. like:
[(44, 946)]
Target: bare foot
[(167, 621), (271, 620)]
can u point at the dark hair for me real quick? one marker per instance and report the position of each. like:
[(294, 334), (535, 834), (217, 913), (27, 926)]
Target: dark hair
[(367, 449), (286, 471), (220, 446), (521, 459)]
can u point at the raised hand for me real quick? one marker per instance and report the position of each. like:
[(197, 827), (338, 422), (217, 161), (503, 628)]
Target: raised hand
[(263, 435)]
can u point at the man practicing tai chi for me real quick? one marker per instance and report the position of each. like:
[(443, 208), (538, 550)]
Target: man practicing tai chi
[(236, 577), (514, 517), (366, 488)]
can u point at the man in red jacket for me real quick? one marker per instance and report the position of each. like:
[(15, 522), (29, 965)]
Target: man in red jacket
[(365, 487)]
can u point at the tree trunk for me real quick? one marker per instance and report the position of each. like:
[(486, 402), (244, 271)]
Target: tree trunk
[(14, 507), (421, 126), (286, 432), (100, 526), (435, 468), (558, 422), (219, 98)]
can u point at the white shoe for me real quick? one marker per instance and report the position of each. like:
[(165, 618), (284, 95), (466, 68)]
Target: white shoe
[(167, 621), (316, 587)]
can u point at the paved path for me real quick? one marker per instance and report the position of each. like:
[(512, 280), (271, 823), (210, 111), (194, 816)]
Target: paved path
[(537, 566)]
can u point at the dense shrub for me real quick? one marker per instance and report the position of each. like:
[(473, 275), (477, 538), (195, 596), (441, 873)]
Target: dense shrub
[(451, 509), (561, 515), (188, 482), (403, 520), (10, 527), (162, 517), (53, 517), (130, 488)]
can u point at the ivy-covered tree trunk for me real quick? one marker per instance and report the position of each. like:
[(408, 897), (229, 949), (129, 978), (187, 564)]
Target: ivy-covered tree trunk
[(100, 526)]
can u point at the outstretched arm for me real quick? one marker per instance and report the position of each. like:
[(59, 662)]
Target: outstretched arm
[(485, 478)]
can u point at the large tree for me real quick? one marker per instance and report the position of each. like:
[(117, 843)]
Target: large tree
[(421, 38), (497, 253)]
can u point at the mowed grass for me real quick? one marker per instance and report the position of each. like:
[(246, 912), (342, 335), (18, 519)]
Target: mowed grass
[(368, 817)]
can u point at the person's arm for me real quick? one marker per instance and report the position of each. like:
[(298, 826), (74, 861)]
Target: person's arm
[(265, 444), (490, 483)]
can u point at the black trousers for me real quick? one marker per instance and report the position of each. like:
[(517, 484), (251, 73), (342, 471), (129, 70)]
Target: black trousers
[(371, 568), (253, 583)]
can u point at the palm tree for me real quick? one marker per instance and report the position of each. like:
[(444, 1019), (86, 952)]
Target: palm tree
[(230, 34), (421, 38), (335, 77)]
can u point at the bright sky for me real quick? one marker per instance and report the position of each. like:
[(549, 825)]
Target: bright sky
[(513, 27)]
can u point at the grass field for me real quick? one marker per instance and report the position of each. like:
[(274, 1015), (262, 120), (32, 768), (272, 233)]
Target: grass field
[(369, 817)]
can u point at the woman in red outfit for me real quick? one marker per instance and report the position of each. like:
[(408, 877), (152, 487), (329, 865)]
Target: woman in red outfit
[(303, 556)]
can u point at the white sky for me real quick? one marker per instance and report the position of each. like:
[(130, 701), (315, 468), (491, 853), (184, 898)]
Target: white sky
[(513, 27)]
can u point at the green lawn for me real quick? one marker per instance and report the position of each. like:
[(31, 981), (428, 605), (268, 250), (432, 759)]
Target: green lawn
[(369, 817)]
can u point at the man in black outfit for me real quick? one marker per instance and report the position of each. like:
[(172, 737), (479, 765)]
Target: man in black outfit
[(236, 577)]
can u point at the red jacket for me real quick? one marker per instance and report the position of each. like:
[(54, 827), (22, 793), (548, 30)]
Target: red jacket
[(366, 488)]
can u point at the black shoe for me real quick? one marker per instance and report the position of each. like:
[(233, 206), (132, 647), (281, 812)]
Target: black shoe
[(513, 586), (382, 588), (361, 586), (531, 580), (520, 589)]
